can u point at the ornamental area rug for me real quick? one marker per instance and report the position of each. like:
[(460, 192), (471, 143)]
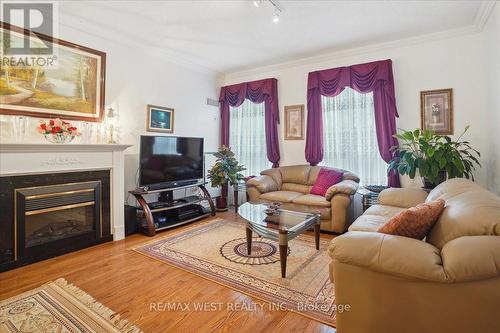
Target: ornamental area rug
[(216, 250), (59, 307)]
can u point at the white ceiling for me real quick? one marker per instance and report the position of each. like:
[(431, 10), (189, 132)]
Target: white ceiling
[(225, 36)]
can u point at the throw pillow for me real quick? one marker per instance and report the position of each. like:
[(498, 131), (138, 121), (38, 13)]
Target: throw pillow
[(414, 222), (326, 178)]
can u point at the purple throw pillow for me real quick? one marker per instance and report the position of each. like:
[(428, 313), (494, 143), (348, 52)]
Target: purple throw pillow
[(326, 178)]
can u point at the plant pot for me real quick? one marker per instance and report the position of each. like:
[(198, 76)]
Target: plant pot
[(430, 185), (221, 201)]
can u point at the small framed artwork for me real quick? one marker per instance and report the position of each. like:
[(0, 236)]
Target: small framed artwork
[(294, 122), (160, 119), (436, 111)]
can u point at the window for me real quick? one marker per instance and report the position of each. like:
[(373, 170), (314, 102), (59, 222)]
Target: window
[(350, 136), (247, 137)]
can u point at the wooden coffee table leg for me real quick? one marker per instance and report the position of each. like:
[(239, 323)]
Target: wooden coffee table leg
[(316, 235), (249, 241), (283, 242)]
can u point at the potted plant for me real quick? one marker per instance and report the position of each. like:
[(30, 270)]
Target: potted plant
[(226, 171), (436, 157)]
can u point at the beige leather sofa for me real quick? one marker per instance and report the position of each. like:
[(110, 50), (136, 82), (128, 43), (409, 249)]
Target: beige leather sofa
[(291, 185), (448, 283)]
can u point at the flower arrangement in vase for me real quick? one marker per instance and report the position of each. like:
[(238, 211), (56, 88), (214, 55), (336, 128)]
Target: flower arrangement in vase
[(58, 131)]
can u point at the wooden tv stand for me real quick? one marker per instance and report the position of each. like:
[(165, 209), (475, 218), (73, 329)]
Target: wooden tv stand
[(150, 229)]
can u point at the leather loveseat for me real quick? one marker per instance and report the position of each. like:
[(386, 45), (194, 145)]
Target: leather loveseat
[(291, 186), (448, 283)]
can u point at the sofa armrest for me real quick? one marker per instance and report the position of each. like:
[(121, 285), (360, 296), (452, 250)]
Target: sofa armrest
[(471, 258), (402, 197), (395, 255), (263, 183), (347, 186)]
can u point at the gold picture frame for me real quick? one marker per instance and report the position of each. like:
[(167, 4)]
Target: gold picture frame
[(294, 122), (436, 111), (160, 119), (52, 91)]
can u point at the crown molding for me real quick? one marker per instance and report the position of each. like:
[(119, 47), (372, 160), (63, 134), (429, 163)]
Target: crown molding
[(119, 38), (483, 14), (355, 51), (480, 20), (114, 35)]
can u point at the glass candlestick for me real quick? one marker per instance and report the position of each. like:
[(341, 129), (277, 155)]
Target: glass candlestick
[(87, 131), (19, 127)]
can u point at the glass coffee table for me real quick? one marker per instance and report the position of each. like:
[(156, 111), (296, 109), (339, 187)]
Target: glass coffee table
[(282, 226)]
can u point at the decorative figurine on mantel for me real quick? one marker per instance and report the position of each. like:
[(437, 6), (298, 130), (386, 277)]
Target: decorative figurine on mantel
[(112, 121), (58, 131)]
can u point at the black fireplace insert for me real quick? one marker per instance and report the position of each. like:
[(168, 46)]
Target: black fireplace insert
[(52, 215)]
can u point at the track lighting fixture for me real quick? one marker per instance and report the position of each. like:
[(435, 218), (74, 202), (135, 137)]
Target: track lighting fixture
[(276, 17), (276, 7)]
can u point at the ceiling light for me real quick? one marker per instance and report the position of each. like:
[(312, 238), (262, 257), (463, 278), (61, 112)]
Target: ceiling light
[(257, 3)]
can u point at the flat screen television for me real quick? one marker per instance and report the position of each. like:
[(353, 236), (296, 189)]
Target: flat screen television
[(169, 161)]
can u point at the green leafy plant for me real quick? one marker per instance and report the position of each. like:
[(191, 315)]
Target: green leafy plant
[(434, 156), (226, 169)]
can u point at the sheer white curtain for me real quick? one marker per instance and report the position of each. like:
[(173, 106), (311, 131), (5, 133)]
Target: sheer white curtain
[(350, 136), (247, 137)]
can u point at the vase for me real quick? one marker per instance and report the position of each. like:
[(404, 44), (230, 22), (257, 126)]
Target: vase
[(221, 201), (59, 138), (430, 185)]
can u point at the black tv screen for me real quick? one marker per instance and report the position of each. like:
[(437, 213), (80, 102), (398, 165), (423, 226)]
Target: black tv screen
[(168, 160)]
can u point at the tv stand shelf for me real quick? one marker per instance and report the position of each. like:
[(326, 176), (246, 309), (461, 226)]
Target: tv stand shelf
[(150, 229)]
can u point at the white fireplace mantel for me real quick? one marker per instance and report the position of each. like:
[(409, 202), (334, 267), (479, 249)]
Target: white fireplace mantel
[(32, 158)]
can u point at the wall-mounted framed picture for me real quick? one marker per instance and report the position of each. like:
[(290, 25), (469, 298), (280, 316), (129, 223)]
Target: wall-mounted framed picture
[(68, 83), (436, 111), (160, 119), (294, 122)]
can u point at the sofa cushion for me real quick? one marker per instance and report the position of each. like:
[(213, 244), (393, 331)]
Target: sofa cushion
[(297, 174), (368, 223), (296, 188), (325, 179), (313, 174), (312, 200), (275, 174), (470, 211), (374, 217), (382, 210), (280, 196), (414, 222)]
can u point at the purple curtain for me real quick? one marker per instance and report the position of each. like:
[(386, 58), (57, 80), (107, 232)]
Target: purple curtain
[(373, 77), (256, 91)]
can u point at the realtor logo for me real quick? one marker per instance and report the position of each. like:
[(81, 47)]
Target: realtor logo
[(35, 18)]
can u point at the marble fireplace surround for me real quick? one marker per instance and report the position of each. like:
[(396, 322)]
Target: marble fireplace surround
[(29, 158)]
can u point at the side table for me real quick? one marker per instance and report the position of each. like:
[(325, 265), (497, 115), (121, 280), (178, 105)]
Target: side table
[(240, 187), (369, 195)]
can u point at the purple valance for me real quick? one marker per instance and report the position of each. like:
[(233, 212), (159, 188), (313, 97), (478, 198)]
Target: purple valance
[(373, 77), (256, 91)]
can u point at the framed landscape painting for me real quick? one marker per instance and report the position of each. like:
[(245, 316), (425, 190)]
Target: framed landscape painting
[(294, 122), (68, 84), (436, 111), (160, 119)]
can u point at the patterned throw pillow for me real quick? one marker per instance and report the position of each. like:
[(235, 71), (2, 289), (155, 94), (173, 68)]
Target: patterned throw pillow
[(414, 222), (326, 178)]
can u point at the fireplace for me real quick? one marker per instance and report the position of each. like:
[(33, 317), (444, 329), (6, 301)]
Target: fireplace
[(53, 214)]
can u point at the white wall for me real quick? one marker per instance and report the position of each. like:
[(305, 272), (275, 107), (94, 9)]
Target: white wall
[(457, 62), (135, 79), (492, 157)]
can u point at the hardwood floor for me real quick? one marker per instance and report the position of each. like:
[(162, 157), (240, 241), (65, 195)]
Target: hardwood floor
[(128, 283)]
